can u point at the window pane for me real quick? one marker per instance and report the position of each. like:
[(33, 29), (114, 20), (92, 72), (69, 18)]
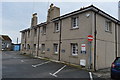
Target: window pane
[(74, 49), (56, 48), (75, 22)]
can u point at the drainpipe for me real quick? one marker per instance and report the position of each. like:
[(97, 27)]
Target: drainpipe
[(38, 41), (95, 32), (60, 40), (25, 41), (115, 40)]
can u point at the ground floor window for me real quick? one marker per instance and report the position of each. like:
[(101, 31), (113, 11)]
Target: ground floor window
[(28, 46), (43, 48), (55, 48), (34, 47), (23, 47), (74, 49)]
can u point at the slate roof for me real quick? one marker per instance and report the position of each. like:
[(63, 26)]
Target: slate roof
[(5, 37)]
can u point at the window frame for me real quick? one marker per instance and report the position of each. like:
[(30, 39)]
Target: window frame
[(57, 26), (34, 47), (55, 47), (43, 48), (28, 46), (75, 22), (75, 45), (108, 26)]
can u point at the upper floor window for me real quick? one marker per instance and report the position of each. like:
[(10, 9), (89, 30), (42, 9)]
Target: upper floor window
[(23, 35), (28, 33), (57, 27), (74, 48), (44, 30), (75, 22), (108, 26), (56, 48), (35, 32)]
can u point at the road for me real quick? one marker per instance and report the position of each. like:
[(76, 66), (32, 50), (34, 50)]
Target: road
[(15, 65)]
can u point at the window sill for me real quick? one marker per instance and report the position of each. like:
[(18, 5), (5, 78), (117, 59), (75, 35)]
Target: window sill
[(56, 31), (108, 31), (74, 28), (43, 34), (42, 52)]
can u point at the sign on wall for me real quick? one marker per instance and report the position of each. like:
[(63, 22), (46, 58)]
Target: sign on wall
[(83, 48)]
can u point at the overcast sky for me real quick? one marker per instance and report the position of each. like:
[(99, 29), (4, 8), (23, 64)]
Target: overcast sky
[(16, 16)]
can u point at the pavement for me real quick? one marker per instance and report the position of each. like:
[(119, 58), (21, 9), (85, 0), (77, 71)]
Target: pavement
[(19, 66), (103, 73)]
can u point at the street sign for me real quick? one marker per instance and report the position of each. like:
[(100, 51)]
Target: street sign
[(83, 48), (90, 37)]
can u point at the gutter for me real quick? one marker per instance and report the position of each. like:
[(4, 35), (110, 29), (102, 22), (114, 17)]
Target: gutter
[(95, 32)]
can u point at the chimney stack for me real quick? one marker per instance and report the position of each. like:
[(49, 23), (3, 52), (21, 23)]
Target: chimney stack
[(53, 12), (119, 10), (34, 20)]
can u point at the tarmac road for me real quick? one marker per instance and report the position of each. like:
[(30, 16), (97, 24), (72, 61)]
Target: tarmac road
[(18, 66)]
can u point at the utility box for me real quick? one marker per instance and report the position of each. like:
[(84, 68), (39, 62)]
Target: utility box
[(82, 62)]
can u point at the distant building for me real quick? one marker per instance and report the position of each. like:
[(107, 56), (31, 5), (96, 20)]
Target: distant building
[(16, 47), (6, 42), (65, 37)]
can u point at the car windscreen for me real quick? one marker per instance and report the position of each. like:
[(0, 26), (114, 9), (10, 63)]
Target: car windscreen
[(117, 60)]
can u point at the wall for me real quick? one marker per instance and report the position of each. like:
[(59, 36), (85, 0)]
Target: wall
[(79, 36), (105, 51)]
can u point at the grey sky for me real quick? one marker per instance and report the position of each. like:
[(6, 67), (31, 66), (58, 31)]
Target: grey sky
[(16, 16)]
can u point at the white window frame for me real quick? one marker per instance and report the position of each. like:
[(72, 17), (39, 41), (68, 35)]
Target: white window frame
[(74, 49), (108, 26), (56, 48), (75, 22), (57, 27)]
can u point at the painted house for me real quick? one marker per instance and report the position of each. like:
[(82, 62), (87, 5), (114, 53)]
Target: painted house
[(65, 37), (6, 42)]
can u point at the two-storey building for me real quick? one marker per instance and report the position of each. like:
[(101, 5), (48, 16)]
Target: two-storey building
[(65, 37)]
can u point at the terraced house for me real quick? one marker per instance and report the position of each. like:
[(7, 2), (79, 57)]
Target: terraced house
[(65, 37)]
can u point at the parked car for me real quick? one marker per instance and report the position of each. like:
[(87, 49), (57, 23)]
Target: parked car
[(115, 68)]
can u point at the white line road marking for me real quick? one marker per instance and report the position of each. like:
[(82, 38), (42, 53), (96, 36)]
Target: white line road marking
[(40, 64), (22, 61), (91, 78), (54, 74)]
